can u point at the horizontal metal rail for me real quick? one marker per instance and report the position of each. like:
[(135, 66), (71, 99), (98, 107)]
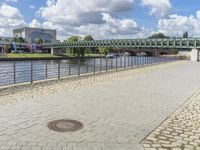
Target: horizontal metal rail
[(17, 72)]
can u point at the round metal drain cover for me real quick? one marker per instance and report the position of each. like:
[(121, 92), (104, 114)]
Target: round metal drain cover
[(65, 125)]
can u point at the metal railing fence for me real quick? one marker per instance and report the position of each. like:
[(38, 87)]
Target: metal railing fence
[(30, 71)]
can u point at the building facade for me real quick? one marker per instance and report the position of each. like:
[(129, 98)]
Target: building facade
[(33, 34)]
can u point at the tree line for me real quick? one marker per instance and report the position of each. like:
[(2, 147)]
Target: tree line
[(82, 51)]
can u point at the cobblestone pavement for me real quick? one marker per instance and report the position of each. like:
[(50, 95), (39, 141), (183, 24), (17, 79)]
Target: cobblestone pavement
[(117, 109), (180, 131)]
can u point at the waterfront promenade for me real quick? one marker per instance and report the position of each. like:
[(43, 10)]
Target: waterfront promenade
[(118, 109)]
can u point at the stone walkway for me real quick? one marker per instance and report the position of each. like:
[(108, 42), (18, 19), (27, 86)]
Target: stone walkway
[(180, 131), (117, 109)]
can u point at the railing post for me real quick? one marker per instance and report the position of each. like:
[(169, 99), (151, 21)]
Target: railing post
[(142, 60), (131, 61), (151, 60), (106, 64), (94, 65), (31, 72), (116, 63), (79, 67), (128, 61), (155, 59), (120, 61), (161, 59), (14, 72), (146, 60), (100, 68), (139, 60), (46, 73), (135, 61), (69, 67), (59, 70), (111, 63), (87, 66), (124, 62)]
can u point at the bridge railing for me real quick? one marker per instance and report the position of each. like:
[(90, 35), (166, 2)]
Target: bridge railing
[(31, 71)]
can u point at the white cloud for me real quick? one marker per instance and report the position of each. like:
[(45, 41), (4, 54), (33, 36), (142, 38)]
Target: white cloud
[(123, 26), (158, 7), (10, 17), (114, 28), (79, 12), (11, 0), (78, 17), (177, 25), (94, 17), (35, 24), (111, 28), (32, 7)]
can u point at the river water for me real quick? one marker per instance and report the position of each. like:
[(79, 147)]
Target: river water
[(25, 71)]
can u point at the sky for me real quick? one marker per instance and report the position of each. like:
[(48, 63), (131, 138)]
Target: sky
[(103, 19)]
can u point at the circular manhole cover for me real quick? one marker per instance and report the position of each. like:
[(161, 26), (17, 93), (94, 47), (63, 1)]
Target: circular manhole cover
[(65, 125)]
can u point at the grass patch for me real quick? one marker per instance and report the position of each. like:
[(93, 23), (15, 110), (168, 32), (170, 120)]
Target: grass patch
[(40, 55), (21, 55)]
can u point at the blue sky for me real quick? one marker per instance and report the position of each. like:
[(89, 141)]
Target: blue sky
[(103, 18)]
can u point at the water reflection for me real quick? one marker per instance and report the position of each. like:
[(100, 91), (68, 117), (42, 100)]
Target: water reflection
[(25, 71)]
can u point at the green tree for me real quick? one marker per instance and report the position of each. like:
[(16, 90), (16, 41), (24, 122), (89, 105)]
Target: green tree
[(6, 48), (104, 50), (74, 39), (79, 51), (19, 40), (74, 51), (88, 38), (174, 51), (14, 39), (0, 39), (87, 50), (158, 36), (185, 35), (39, 41)]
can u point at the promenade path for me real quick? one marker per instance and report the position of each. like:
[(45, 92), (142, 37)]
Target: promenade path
[(118, 109)]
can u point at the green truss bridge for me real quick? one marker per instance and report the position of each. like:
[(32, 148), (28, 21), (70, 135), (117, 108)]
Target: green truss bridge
[(178, 43)]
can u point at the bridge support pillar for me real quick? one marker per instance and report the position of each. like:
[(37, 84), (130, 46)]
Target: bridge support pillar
[(52, 51), (194, 55)]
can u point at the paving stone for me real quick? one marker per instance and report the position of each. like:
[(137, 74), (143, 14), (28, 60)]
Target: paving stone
[(184, 122), (118, 110)]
